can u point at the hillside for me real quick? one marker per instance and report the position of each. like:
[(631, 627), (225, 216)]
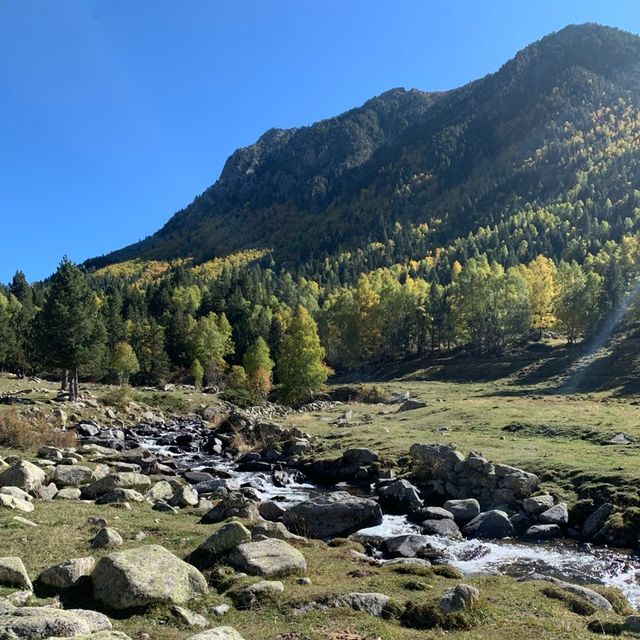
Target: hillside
[(557, 124)]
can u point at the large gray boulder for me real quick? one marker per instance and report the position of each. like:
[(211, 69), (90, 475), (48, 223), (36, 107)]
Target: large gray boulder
[(37, 623), (23, 474), (220, 543), (269, 558), (559, 514), (360, 456), (445, 528), (71, 475), (490, 524), (332, 514), (234, 505), (122, 480), (406, 546), (400, 496), (463, 510), (597, 520), (67, 574), (14, 574), (144, 576), (372, 603)]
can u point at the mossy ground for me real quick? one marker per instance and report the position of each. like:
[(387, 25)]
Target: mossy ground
[(508, 609)]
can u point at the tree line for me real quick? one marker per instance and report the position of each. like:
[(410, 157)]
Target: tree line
[(240, 324)]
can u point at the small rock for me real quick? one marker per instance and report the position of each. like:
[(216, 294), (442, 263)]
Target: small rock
[(459, 598), (106, 538)]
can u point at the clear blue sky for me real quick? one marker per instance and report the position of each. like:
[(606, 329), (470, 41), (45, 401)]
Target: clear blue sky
[(115, 114)]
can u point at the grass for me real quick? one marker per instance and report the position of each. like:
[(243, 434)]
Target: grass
[(507, 609)]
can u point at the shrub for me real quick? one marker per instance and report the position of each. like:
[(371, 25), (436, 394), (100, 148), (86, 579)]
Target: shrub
[(18, 432), (119, 397), (447, 571)]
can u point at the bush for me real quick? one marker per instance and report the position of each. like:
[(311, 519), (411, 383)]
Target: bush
[(428, 615), (166, 402), (18, 432), (447, 571), (119, 397)]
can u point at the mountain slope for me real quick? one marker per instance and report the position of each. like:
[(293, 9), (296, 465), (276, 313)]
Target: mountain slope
[(519, 140)]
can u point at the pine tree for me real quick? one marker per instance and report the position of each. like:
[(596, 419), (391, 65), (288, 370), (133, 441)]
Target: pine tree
[(300, 367), (68, 327)]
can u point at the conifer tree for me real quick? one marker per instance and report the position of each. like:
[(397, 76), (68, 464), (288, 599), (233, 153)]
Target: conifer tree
[(68, 327)]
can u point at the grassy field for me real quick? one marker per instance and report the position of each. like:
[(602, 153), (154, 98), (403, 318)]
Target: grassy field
[(508, 609), (525, 412)]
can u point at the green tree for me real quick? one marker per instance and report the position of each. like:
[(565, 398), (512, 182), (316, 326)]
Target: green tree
[(124, 362), (197, 372), (300, 364), (68, 328), (258, 365)]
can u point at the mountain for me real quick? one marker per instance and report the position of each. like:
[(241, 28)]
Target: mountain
[(557, 125)]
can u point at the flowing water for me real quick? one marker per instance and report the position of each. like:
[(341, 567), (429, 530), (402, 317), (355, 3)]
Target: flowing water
[(561, 559)]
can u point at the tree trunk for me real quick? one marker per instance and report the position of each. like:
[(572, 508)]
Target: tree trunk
[(65, 380), (72, 376)]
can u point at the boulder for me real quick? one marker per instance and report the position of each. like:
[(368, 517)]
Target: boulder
[(234, 505), (143, 576), (120, 495), (160, 491), (406, 546), (463, 510), (268, 558), (271, 510), (23, 474), (121, 480), (459, 598), (14, 574), (226, 538), (490, 524), (360, 456), (446, 528), (431, 513), (372, 603), (10, 502), (558, 514), (597, 520), (67, 574), (72, 475), (537, 504), (16, 492), (35, 623), (400, 496), (247, 596), (591, 596), (274, 530), (543, 532), (184, 497), (106, 538), (332, 514), (218, 633)]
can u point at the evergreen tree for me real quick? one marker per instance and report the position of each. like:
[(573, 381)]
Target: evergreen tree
[(68, 328)]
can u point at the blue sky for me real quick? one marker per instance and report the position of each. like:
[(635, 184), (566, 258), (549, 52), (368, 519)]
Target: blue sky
[(116, 114)]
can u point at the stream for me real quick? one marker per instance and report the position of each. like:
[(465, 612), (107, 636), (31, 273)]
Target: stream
[(564, 559)]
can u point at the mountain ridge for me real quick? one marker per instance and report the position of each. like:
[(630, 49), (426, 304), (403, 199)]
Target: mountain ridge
[(406, 156)]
